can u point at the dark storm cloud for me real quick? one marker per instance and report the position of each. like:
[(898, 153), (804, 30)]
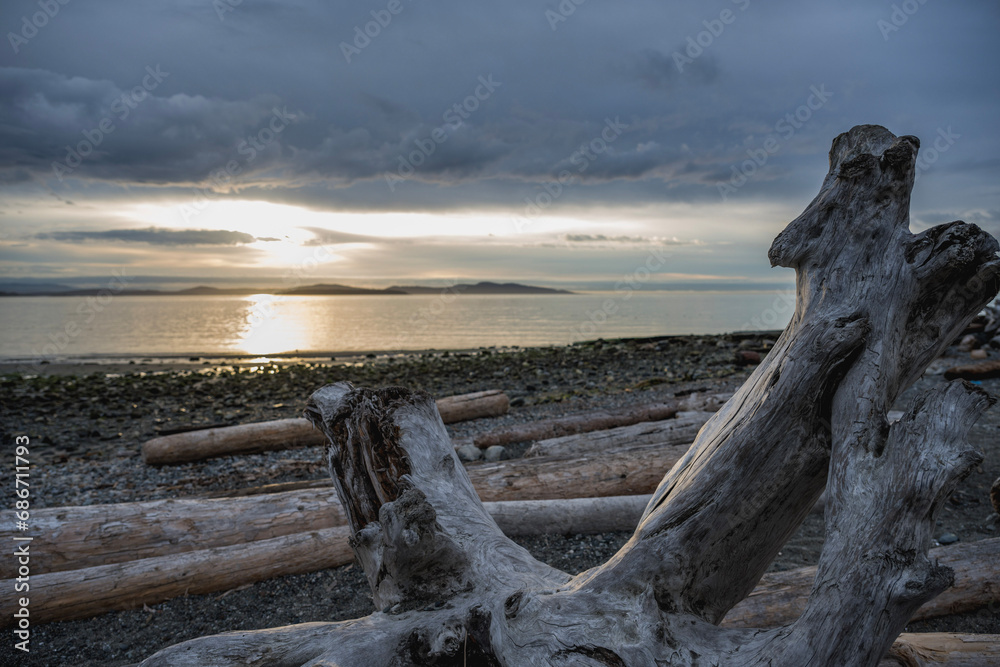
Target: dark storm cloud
[(411, 104), (154, 236)]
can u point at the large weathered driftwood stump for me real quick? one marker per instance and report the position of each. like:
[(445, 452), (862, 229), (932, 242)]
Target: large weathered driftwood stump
[(875, 304)]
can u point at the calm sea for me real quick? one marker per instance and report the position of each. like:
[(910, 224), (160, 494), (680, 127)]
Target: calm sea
[(69, 328)]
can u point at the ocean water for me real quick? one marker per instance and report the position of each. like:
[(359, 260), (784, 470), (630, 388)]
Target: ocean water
[(69, 328)]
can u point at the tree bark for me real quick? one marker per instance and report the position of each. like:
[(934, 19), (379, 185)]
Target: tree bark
[(875, 304), (995, 495)]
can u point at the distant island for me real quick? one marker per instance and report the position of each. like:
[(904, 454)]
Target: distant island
[(485, 287)]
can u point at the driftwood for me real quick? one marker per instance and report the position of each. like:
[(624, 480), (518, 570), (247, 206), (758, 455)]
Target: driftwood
[(73, 594), (597, 420), (73, 538), (981, 371), (780, 597), (681, 430), (925, 649), (942, 648), (120, 582), (875, 305), (283, 434), (490, 403), (90, 535)]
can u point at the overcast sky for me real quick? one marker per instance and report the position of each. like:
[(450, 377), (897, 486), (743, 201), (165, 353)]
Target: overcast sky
[(546, 142)]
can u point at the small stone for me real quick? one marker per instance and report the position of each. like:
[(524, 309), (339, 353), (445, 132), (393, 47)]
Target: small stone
[(747, 357), (947, 538), (496, 453), (978, 354), (968, 343), (517, 401), (469, 453)]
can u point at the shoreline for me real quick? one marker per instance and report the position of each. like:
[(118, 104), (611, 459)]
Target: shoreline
[(200, 362)]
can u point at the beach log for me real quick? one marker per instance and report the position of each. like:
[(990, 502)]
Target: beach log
[(464, 407), (598, 420), (780, 597), (76, 537), (875, 304), (95, 583), (284, 434), (91, 535), (82, 593), (681, 430), (96, 589), (981, 371), (924, 649)]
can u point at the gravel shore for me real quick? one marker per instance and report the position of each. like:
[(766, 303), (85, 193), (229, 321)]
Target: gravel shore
[(86, 431)]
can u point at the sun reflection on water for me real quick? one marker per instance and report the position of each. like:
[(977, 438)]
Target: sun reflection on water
[(270, 326)]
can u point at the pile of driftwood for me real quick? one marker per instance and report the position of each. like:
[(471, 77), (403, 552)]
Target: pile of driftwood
[(585, 473)]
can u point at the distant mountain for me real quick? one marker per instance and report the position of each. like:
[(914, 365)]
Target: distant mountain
[(484, 287), (51, 289), (337, 289), (25, 287)]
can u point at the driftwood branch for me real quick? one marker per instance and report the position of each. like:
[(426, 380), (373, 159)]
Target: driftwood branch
[(875, 304)]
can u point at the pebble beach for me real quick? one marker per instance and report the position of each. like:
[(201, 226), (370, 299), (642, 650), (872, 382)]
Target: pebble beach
[(87, 424)]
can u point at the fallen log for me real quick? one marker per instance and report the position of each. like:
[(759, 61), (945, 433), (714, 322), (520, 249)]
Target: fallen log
[(90, 590), (781, 597), (922, 649), (490, 403), (73, 594), (981, 371), (283, 434), (71, 538), (85, 592), (599, 420), (87, 536), (680, 430)]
